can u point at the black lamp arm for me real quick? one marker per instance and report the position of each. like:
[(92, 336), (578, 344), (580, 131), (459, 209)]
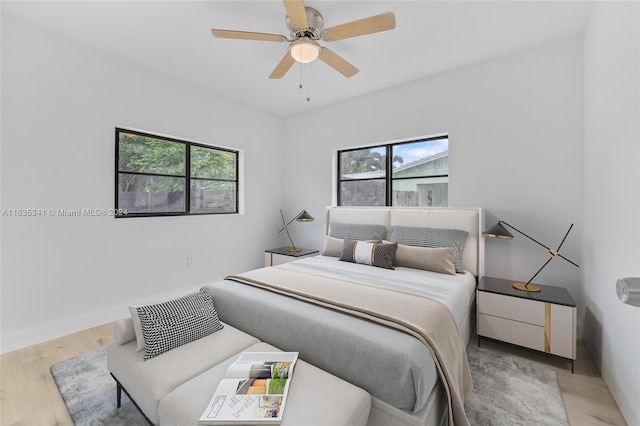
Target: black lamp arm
[(502, 222), (565, 237), (538, 242), (539, 270), (286, 225)]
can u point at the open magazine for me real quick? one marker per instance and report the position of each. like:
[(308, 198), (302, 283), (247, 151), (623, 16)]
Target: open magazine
[(254, 390)]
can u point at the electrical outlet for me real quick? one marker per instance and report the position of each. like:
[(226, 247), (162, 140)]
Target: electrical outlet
[(190, 262)]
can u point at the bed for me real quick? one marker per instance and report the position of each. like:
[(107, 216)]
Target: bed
[(391, 363)]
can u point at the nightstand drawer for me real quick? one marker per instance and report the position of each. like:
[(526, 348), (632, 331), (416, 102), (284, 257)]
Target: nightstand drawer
[(522, 310), (518, 333)]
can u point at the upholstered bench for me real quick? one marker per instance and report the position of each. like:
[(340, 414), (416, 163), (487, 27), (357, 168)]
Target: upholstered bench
[(147, 382), (316, 398)]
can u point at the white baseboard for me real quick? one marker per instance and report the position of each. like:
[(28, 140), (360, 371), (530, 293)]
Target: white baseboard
[(57, 328), (54, 329)]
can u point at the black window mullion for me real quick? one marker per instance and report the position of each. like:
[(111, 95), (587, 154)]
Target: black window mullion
[(237, 183), (126, 172), (388, 177), (187, 189), (420, 177), (339, 180)]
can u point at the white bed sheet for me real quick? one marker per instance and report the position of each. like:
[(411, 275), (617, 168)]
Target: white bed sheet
[(454, 291)]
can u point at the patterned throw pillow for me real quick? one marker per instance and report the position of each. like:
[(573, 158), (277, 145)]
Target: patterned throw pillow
[(432, 237), (374, 254), (176, 322), (137, 327), (357, 231)]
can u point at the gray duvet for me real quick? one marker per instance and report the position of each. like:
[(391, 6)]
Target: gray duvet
[(389, 364)]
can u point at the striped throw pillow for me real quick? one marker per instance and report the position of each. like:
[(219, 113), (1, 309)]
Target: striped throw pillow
[(357, 231), (374, 254)]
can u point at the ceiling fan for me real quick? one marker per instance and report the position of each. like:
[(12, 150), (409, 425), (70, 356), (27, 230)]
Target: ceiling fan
[(305, 27)]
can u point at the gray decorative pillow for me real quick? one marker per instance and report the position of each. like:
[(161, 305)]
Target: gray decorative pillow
[(374, 254), (357, 231), (176, 322), (435, 259), (332, 246), (432, 237)]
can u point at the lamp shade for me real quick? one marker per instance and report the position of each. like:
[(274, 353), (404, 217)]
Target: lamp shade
[(304, 216), (304, 50), (498, 231)]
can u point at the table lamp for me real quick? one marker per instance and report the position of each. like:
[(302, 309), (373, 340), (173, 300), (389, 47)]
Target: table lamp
[(303, 216), (499, 231)]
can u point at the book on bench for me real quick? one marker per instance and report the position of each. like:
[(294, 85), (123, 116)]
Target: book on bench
[(254, 390)]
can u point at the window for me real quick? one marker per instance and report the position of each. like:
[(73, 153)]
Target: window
[(406, 174), (161, 176)]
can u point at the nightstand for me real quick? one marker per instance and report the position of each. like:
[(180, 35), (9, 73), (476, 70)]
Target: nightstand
[(280, 255), (544, 321)]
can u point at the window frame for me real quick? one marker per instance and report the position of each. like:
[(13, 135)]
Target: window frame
[(188, 179), (388, 175)]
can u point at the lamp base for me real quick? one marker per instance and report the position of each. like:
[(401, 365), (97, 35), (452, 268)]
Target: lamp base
[(523, 286), (293, 249)]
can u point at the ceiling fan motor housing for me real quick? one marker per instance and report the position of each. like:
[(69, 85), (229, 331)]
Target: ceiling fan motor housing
[(315, 22)]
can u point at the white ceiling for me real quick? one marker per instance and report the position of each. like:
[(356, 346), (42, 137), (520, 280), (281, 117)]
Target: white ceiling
[(173, 37)]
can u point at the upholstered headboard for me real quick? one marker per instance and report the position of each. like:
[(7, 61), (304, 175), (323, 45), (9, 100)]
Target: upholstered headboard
[(466, 219)]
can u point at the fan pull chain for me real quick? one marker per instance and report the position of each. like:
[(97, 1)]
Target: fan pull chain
[(300, 85), (300, 68), (308, 82)]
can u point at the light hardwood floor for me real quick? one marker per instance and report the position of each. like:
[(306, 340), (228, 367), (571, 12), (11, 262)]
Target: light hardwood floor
[(29, 396), (586, 395)]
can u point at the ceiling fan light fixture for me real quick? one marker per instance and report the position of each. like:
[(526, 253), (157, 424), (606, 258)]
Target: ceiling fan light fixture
[(304, 50)]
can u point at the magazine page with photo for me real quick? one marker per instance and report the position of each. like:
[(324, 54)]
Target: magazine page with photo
[(254, 390)]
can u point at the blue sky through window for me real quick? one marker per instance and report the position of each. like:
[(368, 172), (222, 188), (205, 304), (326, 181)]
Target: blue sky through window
[(417, 150)]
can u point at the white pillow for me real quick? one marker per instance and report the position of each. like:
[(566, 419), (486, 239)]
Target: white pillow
[(137, 327)]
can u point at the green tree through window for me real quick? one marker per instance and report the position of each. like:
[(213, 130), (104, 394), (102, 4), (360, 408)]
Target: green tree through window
[(157, 175)]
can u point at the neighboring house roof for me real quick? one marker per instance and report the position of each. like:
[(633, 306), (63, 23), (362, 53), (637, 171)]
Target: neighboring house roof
[(366, 175), (380, 174), (422, 161)]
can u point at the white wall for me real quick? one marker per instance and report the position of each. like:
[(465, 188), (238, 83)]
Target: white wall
[(516, 147), (612, 196), (60, 104)]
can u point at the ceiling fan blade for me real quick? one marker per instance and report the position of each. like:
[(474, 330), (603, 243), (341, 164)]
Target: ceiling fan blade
[(247, 35), (372, 24), (296, 12), (337, 62), (282, 67)]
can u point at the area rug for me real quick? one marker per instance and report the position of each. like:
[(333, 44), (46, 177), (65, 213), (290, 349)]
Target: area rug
[(507, 390), (89, 392)]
